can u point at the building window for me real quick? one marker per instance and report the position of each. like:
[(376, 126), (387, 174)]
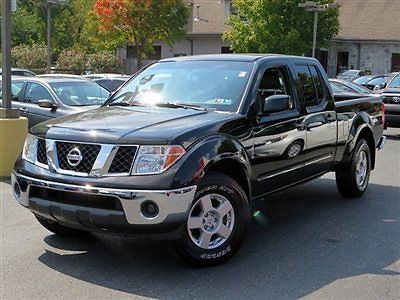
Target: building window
[(342, 62), (229, 8), (131, 53), (225, 50), (179, 54), (395, 62)]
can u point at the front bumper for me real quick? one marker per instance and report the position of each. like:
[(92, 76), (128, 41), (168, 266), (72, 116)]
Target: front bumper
[(84, 206)]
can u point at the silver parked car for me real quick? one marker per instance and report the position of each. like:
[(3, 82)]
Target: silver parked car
[(41, 99)]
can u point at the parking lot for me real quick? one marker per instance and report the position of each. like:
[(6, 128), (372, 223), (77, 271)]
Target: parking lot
[(306, 242)]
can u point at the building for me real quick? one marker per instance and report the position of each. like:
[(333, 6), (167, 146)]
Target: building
[(369, 36), (206, 24)]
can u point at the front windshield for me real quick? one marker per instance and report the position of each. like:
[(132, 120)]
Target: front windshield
[(363, 79), (80, 93), (395, 83), (217, 85)]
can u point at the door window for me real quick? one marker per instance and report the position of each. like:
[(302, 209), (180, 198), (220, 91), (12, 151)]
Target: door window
[(275, 81), (35, 92), (311, 85)]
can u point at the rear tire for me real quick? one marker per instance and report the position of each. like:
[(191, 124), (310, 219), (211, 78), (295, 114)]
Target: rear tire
[(217, 223), (60, 229), (353, 179)]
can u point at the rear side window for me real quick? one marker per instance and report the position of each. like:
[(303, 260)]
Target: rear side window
[(16, 88), (311, 85)]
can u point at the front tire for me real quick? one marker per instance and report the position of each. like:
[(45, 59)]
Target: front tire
[(352, 181), (60, 229), (217, 222)]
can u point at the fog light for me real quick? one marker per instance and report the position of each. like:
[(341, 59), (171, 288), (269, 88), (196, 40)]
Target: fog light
[(17, 190), (149, 209)]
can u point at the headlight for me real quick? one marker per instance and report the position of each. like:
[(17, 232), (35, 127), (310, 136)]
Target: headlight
[(156, 159), (29, 153)]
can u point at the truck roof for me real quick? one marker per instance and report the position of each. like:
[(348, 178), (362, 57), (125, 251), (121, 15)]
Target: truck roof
[(247, 57)]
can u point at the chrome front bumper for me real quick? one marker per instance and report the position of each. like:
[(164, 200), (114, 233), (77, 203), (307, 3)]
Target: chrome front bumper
[(171, 203)]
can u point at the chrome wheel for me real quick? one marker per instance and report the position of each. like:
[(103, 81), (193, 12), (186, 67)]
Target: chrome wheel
[(362, 169), (211, 221)]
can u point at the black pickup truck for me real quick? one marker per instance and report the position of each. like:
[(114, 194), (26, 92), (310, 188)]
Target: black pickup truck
[(185, 147)]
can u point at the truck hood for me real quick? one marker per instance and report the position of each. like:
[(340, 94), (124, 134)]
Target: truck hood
[(129, 125)]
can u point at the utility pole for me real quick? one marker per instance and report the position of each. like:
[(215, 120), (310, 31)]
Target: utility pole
[(6, 112), (50, 3), (48, 68), (316, 8)]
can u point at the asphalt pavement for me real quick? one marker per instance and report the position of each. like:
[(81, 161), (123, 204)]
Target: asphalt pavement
[(305, 242)]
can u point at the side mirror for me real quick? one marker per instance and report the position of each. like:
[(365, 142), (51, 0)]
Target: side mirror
[(277, 103), (379, 86), (46, 103)]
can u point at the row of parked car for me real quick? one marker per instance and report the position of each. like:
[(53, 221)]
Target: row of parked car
[(352, 83), (48, 96), (43, 97)]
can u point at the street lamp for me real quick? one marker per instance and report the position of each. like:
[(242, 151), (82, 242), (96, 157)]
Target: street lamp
[(316, 8), (49, 4)]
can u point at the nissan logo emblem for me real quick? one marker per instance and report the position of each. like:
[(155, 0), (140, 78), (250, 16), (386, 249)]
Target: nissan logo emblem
[(396, 99), (74, 157)]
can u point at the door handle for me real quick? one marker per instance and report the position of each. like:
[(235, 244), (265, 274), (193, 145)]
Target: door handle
[(24, 109)]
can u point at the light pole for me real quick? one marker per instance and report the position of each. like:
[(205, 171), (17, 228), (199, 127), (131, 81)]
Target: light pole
[(49, 4), (316, 8), (6, 111)]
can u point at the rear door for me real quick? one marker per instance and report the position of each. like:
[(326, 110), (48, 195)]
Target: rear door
[(17, 88), (33, 93), (320, 121)]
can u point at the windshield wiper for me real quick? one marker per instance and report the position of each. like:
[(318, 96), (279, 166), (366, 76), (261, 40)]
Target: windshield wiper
[(119, 104), (181, 105)]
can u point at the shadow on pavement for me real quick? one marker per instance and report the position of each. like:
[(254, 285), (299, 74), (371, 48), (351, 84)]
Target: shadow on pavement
[(299, 242)]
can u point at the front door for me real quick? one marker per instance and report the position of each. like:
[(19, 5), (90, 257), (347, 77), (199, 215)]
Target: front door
[(279, 141), (36, 114)]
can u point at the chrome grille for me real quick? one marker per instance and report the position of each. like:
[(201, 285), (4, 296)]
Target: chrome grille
[(41, 151), (391, 99), (123, 160), (89, 156)]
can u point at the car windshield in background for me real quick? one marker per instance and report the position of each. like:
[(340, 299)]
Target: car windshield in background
[(363, 79), (395, 83), (349, 73), (358, 88), (215, 85), (80, 93)]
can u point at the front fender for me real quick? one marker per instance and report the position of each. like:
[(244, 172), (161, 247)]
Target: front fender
[(205, 154)]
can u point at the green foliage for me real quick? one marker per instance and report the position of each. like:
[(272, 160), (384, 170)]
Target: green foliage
[(29, 56), (103, 62), (140, 23), (29, 23), (278, 26), (72, 60)]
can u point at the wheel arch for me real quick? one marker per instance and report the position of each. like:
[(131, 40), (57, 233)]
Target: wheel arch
[(220, 153), (358, 132)]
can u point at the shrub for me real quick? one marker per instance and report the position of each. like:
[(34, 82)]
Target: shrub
[(72, 60), (104, 62), (29, 56)]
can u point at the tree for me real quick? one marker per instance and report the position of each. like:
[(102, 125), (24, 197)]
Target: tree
[(278, 26), (29, 56), (140, 23)]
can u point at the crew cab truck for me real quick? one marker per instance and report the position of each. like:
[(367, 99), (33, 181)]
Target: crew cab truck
[(185, 147)]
